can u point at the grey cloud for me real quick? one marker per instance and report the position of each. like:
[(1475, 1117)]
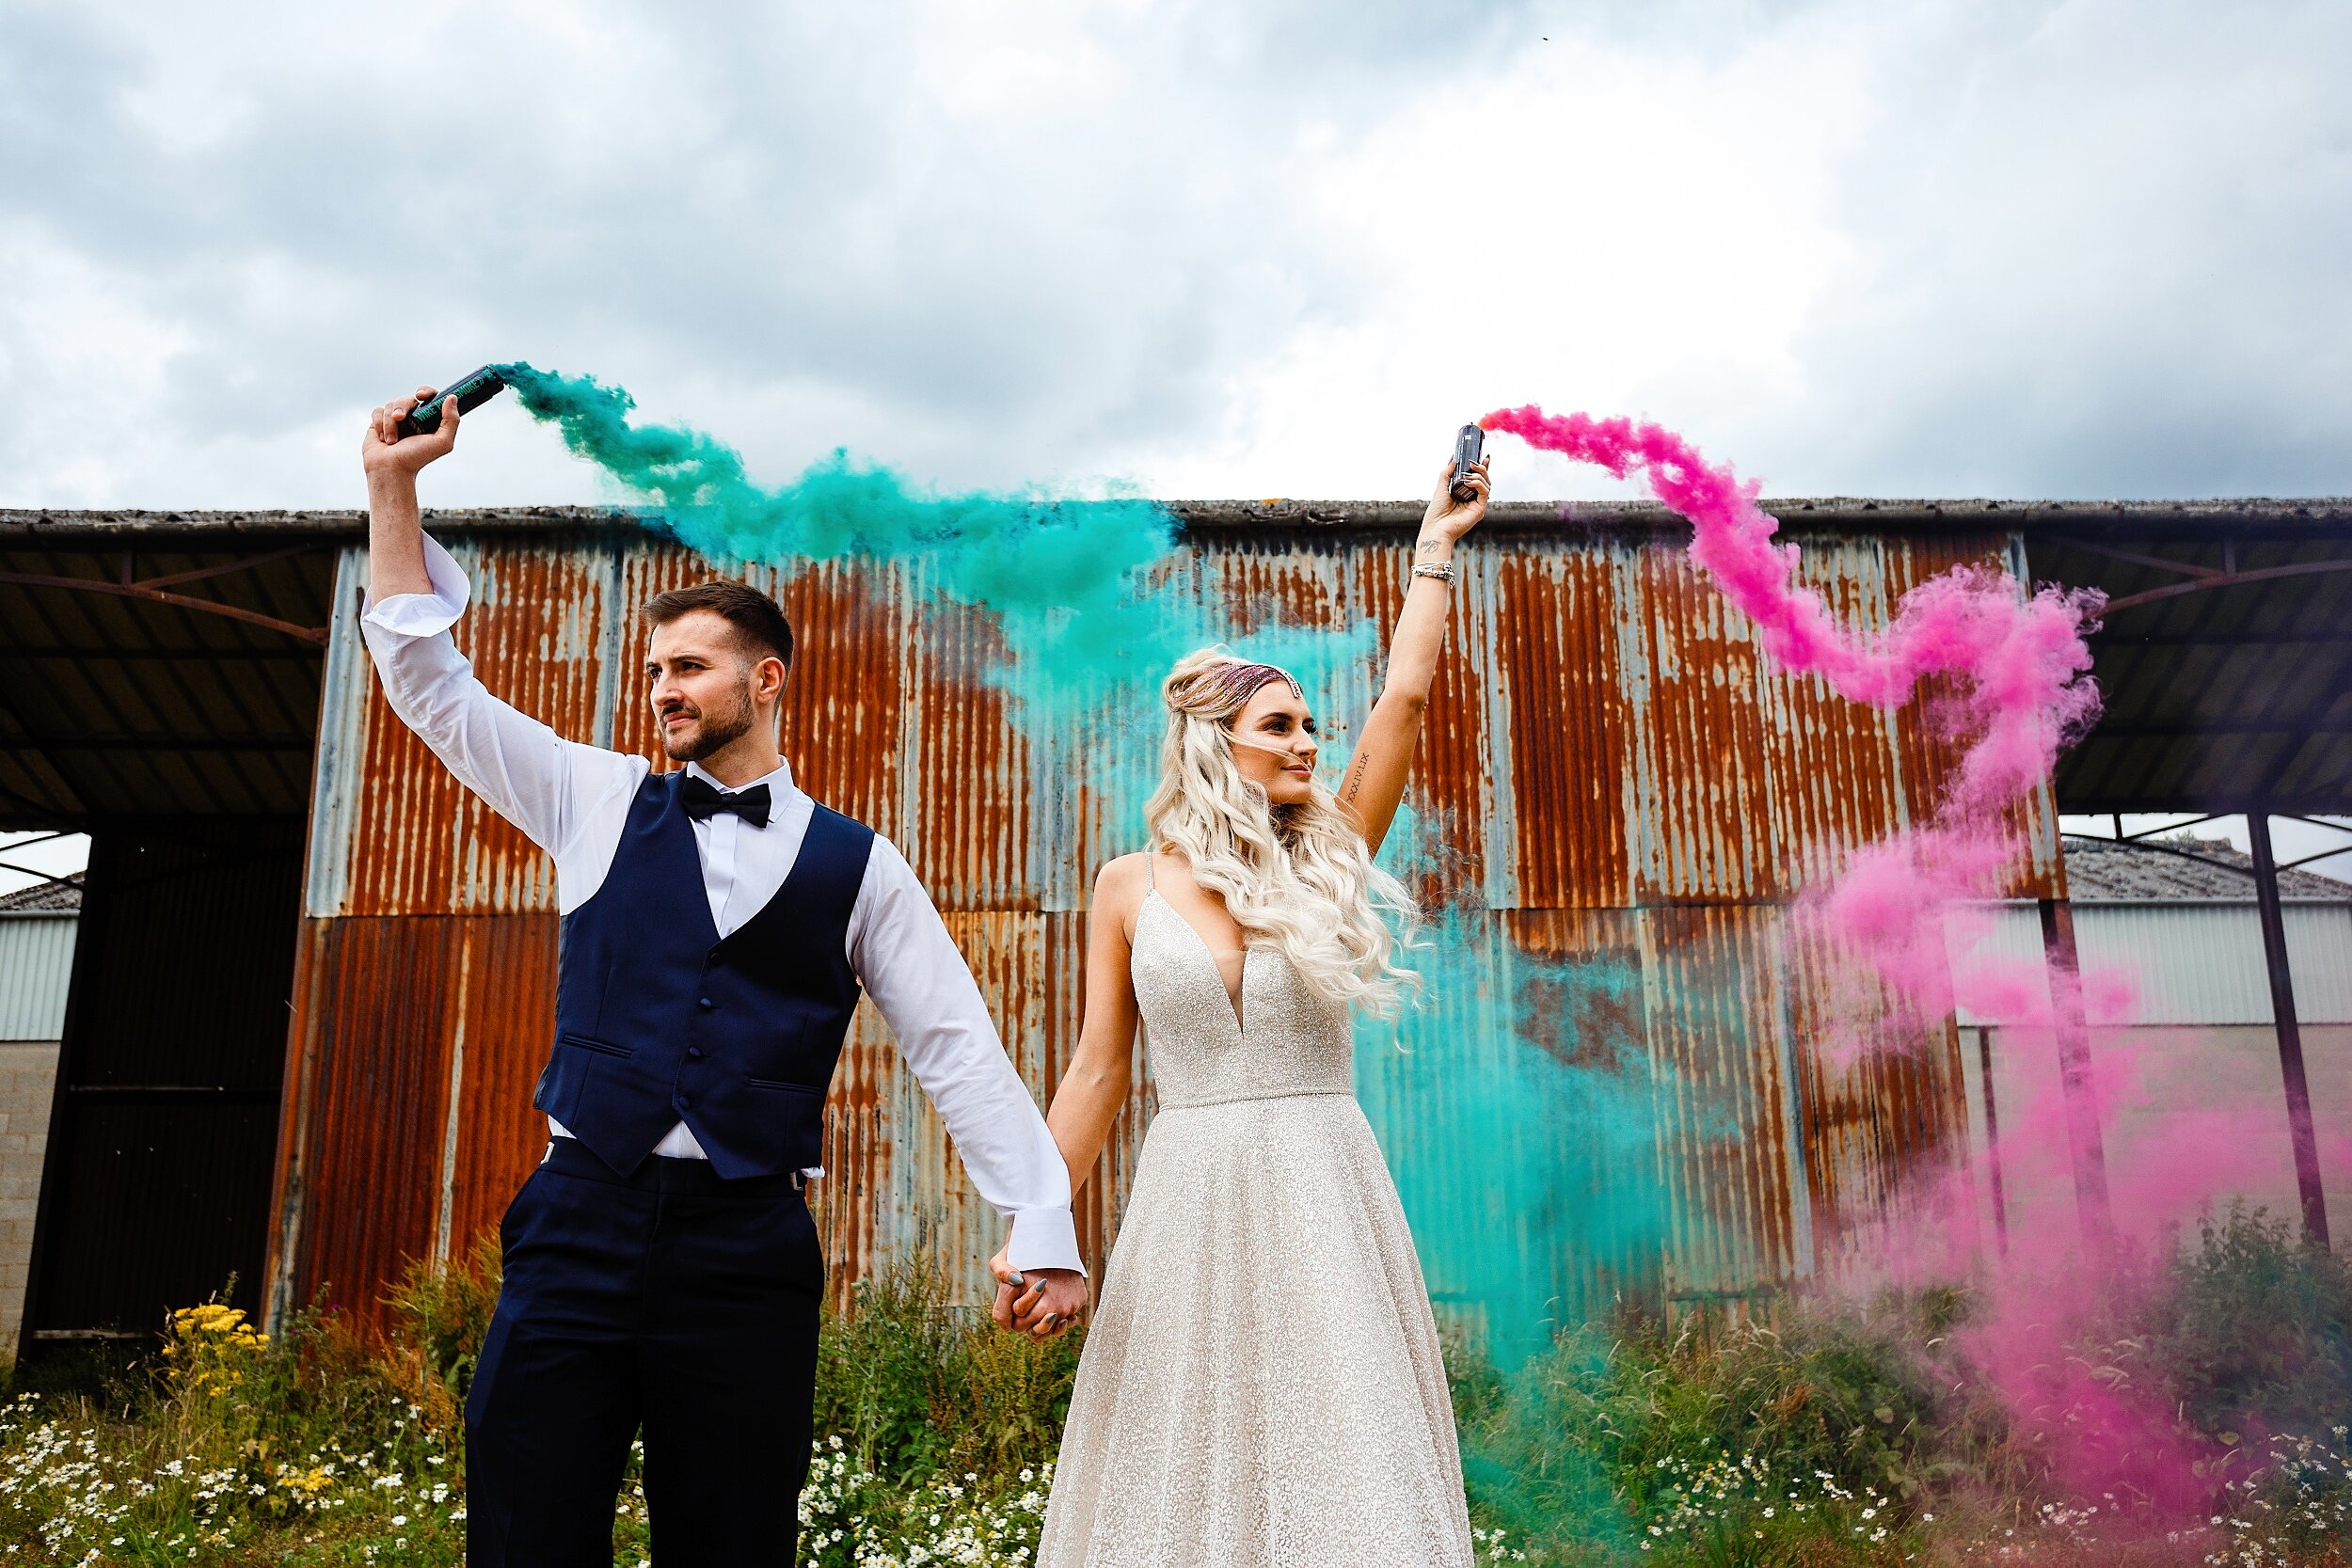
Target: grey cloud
[(2102, 251)]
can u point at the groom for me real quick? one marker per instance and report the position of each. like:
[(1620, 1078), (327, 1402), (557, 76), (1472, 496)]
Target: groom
[(663, 1273)]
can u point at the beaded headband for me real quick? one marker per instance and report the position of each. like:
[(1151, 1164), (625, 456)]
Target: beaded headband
[(1228, 685)]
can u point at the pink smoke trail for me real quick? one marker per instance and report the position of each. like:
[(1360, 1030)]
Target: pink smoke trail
[(2021, 659)]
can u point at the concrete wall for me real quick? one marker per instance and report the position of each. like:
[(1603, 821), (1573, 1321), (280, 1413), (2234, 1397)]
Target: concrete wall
[(29, 1070), (2193, 1116), (36, 960), (2192, 1102)]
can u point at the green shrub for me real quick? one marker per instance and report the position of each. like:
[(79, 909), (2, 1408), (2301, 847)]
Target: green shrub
[(231, 1447), (2251, 1332), (1726, 1444), (918, 1386)]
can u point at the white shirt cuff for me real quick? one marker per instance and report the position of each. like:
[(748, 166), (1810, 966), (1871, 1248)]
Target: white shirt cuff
[(425, 614), (1044, 1239)]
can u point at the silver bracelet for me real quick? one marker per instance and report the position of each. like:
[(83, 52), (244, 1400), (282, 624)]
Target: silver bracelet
[(1441, 570)]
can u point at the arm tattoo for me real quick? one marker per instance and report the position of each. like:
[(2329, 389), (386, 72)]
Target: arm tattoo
[(1356, 776)]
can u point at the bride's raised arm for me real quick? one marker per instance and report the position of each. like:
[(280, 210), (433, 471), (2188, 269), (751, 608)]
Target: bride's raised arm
[(1384, 751)]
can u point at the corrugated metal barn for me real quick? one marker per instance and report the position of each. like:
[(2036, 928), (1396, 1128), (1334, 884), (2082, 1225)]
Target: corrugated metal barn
[(316, 980)]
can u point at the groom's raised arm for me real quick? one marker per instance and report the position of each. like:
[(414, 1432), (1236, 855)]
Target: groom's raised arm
[(902, 952), (536, 779)]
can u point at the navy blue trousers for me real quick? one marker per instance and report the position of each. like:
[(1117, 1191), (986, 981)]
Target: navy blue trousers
[(668, 1302)]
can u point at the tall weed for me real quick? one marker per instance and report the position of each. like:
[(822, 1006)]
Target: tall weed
[(2252, 1333), (916, 1386)]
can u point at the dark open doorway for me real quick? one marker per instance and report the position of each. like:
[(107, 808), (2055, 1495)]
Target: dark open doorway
[(159, 691), (156, 1185)]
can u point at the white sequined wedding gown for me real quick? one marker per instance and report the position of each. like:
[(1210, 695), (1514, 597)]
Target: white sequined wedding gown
[(1261, 1387)]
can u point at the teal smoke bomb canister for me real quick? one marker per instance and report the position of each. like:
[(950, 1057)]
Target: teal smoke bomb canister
[(471, 390)]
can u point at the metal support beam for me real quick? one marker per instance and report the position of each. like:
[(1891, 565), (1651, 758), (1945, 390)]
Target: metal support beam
[(2084, 1144), (2198, 729), (2307, 1183), (162, 745), (2205, 580), (198, 653), (1992, 1140), (156, 595)]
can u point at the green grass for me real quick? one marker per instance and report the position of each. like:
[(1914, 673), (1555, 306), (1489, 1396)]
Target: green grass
[(1836, 1436)]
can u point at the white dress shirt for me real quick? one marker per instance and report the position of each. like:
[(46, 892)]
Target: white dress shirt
[(573, 801)]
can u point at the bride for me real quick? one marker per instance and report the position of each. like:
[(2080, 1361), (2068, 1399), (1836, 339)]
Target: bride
[(1261, 1382)]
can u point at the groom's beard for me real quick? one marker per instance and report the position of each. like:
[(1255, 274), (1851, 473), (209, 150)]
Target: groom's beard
[(714, 729)]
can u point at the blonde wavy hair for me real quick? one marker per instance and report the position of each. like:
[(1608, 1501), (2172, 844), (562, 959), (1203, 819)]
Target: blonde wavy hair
[(1300, 878)]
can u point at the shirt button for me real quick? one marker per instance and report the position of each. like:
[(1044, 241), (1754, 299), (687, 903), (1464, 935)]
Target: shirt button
[(706, 1004)]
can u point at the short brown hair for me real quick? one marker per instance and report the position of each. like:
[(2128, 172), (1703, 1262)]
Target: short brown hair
[(758, 621)]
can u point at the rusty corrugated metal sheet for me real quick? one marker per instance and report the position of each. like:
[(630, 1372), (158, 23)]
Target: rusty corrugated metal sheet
[(1835, 781), (1718, 1026), (1608, 769), (1881, 1097), (498, 980), (1699, 800), (1557, 694), (1517, 1107), (418, 1039), (965, 783), (1454, 787), (405, 838), (359, 1143), (890, 1177), (844, 716)]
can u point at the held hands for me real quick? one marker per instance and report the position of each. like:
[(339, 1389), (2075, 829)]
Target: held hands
[(383, 450), (1447, 519), (1046, 1302)]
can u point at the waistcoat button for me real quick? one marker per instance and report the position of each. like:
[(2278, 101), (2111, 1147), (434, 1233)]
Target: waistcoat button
[(695, 1051), (704, 1002)]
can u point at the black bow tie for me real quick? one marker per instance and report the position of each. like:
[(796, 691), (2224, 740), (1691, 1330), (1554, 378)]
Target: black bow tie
[(704, 799)]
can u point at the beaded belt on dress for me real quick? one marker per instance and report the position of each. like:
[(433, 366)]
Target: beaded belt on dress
[(1168, 1104)]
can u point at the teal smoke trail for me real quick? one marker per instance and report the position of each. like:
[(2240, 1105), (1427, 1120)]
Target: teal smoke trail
[(1070, 581), (1078, 588)]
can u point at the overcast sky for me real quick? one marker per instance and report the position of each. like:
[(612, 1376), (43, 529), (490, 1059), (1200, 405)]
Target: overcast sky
[(1257, 249)]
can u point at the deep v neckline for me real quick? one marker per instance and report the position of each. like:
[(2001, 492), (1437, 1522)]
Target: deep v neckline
[(1232, 1000)]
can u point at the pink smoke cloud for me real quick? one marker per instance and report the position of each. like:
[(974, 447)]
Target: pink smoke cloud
[(2021, 666)]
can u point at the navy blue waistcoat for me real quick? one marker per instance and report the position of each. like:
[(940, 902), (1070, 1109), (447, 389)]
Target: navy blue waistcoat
[(660, 1021)]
